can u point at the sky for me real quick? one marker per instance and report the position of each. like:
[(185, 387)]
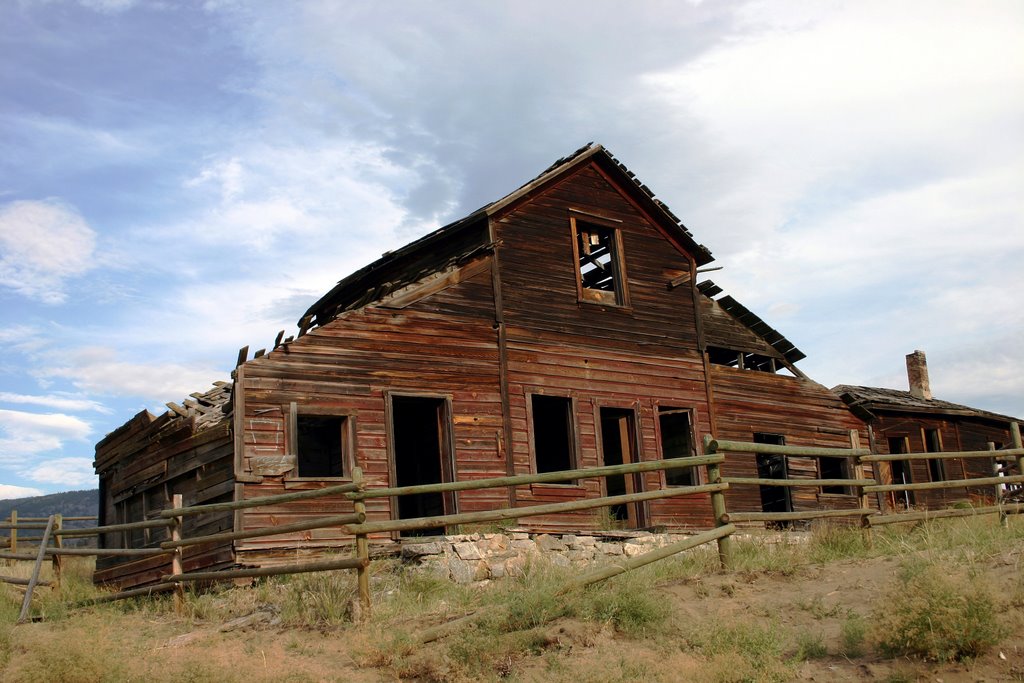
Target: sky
[(179, 179)]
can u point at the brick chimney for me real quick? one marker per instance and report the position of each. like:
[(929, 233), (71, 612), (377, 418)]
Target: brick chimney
[(917, 375)]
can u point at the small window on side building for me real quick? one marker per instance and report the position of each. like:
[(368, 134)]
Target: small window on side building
[(834, 468), (322, 446), (554, 444), (933, 444), (677, 442)]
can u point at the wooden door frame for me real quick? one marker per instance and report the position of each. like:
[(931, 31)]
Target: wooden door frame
[(642, 513), (446, 437)]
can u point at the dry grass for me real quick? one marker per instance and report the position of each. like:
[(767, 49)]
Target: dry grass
[(679, 618)]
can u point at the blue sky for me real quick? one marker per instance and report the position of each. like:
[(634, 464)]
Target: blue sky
[(180, 179)]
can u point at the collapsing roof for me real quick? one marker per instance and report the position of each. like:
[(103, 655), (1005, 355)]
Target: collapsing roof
[(462, 239), (730, 325), (204, 410)]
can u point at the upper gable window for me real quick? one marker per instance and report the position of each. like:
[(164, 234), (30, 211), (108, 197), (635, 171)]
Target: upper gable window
[(600, 267)]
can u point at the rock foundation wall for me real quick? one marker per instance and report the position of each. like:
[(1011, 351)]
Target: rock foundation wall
[(479, 557)]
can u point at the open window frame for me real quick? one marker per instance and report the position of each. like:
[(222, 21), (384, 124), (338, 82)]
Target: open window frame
[(347, 440), (604, 236), (571, 433), (673, 478)]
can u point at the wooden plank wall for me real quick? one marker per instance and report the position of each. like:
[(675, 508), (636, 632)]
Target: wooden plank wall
[(599, 355), (442, 345), (956, 434), (141, 470), (805, 412), (538, 275)]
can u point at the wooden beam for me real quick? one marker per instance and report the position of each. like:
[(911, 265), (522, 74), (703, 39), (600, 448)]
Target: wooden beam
[(531, 511), (40, 556)]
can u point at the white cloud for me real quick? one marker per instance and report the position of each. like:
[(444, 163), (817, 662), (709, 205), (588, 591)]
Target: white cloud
[(100, 370), (25, 434), (42, 244), (850, 99), (58, 401), (9, 491), (69, 472), (325, 190)]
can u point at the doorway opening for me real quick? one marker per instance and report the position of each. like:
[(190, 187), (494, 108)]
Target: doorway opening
[(422, 455), (618, 447), (901, 473), (772, 466)]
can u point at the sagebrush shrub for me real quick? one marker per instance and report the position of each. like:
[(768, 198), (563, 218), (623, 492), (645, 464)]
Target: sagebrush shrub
[(935, 614)]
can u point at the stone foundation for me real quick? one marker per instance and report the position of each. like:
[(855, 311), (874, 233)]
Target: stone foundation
[(467, 558)]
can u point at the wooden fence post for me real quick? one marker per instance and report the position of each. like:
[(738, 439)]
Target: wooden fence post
[(26, 604), (718, 508), (362, 549), (998, 487), (58, 542), (864, 498), (14, 531), (176, 563), (1015, 436)]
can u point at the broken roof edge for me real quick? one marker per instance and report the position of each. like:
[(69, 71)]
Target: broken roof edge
[(658, 209), (206, 410), (744, 316), (871, 399)]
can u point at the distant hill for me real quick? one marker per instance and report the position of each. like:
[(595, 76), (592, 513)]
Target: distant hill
[(69, 504)]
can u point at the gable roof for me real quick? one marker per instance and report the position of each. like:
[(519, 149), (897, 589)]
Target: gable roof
[(878, 399), (467, 237)]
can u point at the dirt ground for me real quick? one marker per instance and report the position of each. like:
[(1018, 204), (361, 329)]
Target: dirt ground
[(813, 599)]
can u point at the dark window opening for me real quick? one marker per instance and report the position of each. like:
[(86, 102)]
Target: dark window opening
[(677, 442), (321, 446), (419, 433), (933, 444), (901, 472), (772, 466), (553, 443), (834, 468), (599, 268)]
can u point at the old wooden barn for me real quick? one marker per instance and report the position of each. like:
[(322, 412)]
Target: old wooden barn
[(561, 326)]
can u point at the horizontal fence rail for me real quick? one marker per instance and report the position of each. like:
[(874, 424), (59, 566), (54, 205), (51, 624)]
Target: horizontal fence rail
[(529, 511), (720, 445), (1005, 454), (947, 484), (544, 478)]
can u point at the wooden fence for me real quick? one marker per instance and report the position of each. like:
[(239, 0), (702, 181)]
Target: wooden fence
[(863, 457), (356, 525)]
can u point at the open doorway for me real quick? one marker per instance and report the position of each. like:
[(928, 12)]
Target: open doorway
[(772, 466), (901, 473), (618, 447), (422, 454)]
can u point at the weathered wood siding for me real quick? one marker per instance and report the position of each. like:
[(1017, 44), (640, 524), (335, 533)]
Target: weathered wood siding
[(636, 357), (956, 434), (803, 411), (141, 467), (538, 275), (443, 345)]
